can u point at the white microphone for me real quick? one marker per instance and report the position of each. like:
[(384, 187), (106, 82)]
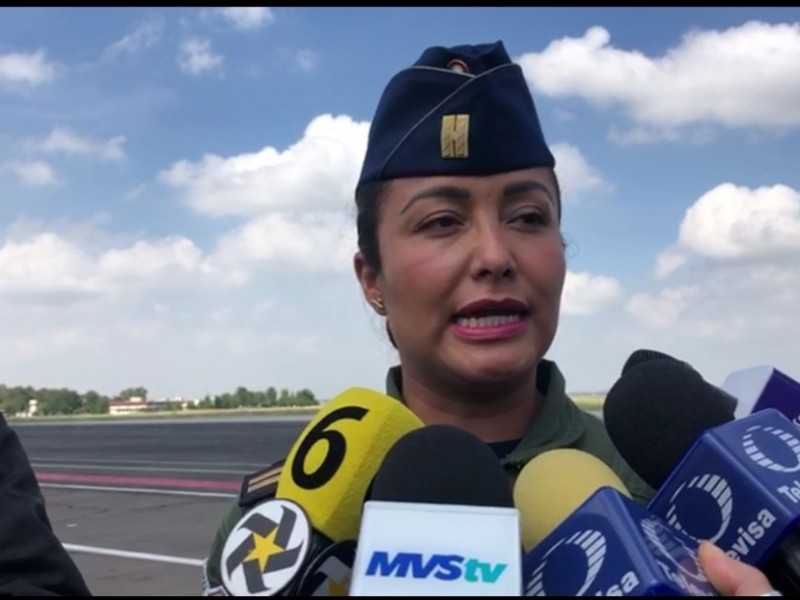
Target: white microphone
[(440, 521), (757, 388)]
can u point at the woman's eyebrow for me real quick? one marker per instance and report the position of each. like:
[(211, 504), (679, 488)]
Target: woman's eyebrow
[(529, 185), (450, 192)]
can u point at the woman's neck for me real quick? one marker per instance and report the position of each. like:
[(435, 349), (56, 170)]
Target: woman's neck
[(493, 415)]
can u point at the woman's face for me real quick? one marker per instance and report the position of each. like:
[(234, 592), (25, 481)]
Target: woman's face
[(472, 270)]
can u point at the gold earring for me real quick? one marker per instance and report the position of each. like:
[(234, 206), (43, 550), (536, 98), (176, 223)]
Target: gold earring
[(377, 303)]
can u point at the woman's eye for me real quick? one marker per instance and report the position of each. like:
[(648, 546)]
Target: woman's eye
[(442, 222), (532, 218)]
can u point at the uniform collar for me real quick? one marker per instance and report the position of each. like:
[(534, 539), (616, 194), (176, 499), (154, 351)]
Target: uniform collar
[(558, 423)]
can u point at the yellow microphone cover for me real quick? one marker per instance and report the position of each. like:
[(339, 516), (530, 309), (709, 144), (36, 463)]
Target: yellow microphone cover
[(553, 485), (332, 463)]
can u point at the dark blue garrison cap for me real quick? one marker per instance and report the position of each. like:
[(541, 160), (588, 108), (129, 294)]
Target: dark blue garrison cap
[(465, 110)]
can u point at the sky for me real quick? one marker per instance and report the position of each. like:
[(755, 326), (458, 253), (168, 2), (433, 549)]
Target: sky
[(177, 188)]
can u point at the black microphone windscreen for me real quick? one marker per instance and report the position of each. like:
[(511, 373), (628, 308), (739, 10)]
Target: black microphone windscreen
[(442, 464), (642, 355), (656, 410)]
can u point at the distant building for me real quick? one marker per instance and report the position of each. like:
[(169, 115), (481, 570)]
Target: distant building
[(134, 404)]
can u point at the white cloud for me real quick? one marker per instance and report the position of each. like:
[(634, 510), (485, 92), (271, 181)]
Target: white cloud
[(246, 17), (196, 56), (311, 242), (670, 260), (643, 135), (35, 173), (319, 171), (736, 266), (662, 310), (575, 175), (162, 261), (731, 222), (744, 76), (586, 294), (736, 224), (135, 192), (144, 36), (306, 59), (32, 69), (64, 140), (49, 267)]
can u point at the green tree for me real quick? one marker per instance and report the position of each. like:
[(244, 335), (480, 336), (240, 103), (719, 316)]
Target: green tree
[(94, 403), (272, 396), (58, 402), (134, 392)]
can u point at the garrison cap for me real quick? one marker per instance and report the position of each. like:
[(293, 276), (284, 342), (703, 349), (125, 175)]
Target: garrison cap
[(463, 110)]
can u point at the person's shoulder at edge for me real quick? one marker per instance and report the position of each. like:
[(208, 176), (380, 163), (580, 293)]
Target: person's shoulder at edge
[(33, 561)]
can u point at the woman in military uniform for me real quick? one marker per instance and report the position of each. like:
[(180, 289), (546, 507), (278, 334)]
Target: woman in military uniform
[(460, 250)]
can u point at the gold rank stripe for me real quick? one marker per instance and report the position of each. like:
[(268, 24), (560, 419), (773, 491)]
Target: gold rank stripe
[(262, 480)]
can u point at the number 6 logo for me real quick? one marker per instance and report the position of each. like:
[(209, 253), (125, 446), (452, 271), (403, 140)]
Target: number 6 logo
[(337, 447)]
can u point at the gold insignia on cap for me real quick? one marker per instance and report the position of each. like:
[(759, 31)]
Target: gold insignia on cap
[(455, 136)]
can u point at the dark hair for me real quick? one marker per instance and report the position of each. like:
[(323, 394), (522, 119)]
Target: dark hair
[(368, 203)]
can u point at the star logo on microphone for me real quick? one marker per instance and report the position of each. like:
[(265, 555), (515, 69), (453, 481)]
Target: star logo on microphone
[(266, 549)]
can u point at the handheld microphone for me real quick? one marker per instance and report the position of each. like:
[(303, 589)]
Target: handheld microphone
[(643, 354), (440, 521), (585, 536), (725, 480), (763, 387), (654, 412), (319, 495), (330, 572), (555, 483)]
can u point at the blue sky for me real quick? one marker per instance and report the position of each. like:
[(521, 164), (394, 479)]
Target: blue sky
[(156, 164)]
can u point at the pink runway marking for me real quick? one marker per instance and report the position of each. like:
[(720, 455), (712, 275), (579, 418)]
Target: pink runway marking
[(158, 482)]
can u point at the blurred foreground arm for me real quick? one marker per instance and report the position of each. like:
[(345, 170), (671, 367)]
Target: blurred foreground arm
[(32, 560)]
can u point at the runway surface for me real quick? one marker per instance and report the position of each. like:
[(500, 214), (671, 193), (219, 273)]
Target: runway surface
[(137, 502)]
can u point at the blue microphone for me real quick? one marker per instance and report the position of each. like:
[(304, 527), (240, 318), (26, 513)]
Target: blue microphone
[(735, 482), (738, 486), (609, 545)]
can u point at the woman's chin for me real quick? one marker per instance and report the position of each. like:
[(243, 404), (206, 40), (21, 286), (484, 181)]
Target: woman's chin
[(497, 370)]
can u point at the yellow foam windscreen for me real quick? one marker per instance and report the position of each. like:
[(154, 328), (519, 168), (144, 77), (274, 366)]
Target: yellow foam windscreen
[(333, 461), (553, 485)]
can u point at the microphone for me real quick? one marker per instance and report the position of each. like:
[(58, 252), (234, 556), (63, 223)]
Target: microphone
[(731, 481), (654, 412), (565, 474), (763, 387), (330, 572), (440, 521), (642, 355), (586, 536), (738, 487), (319, 496)]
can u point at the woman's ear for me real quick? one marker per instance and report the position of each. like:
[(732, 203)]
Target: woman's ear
[(368, 280)]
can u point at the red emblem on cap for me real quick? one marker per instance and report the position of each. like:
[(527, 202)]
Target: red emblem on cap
[(458, 65)]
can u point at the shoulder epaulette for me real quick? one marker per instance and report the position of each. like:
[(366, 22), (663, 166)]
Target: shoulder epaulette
[(261, 484)]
